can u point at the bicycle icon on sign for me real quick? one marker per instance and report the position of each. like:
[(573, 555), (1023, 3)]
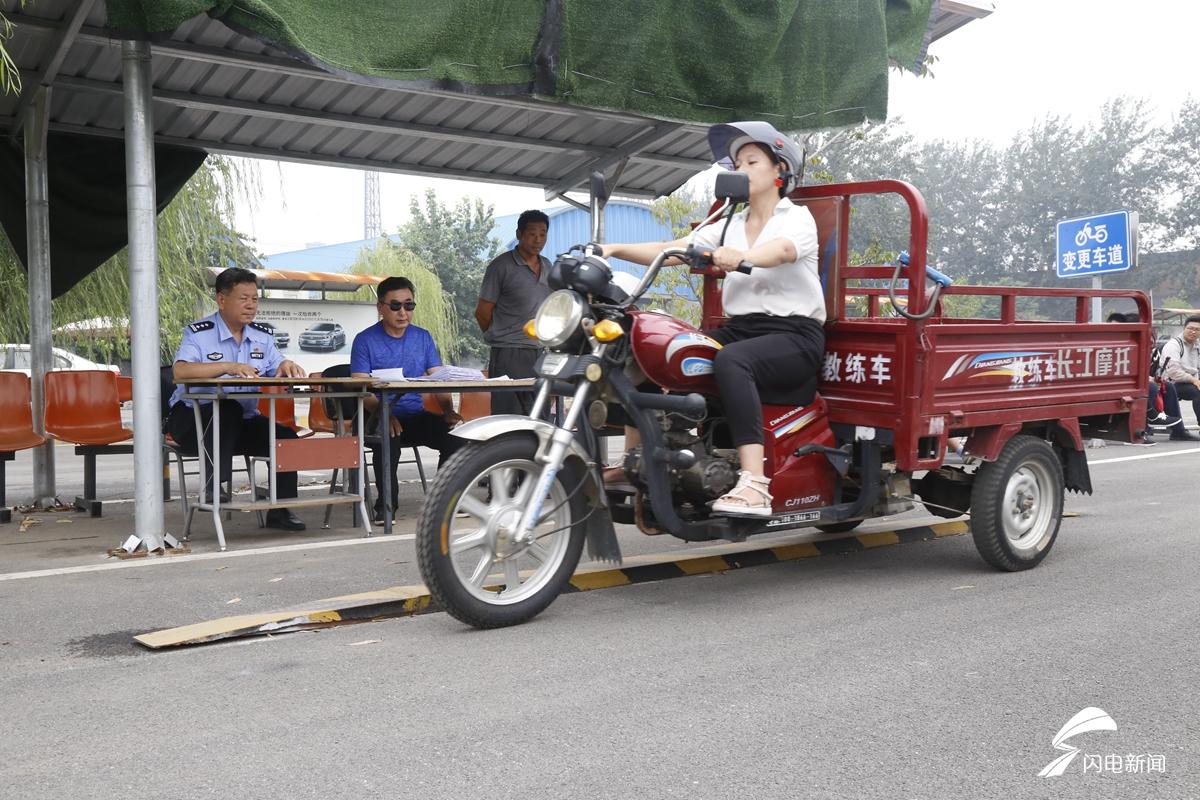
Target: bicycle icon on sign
[(1099, 235)]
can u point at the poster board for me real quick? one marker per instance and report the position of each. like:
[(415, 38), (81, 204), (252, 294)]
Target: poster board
[(296, 323)]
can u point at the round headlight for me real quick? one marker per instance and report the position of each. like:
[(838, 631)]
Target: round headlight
[(558, 318)]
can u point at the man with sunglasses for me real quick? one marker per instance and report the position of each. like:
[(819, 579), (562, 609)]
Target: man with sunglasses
[(394, 342), (514, 285)]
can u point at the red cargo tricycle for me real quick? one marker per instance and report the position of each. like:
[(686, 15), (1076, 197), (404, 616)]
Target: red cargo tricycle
[(505, 521)]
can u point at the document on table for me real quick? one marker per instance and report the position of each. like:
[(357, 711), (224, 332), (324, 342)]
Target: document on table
[(393, 374), (451, 373)]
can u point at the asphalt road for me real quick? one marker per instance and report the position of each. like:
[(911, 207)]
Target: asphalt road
[(911, 671)]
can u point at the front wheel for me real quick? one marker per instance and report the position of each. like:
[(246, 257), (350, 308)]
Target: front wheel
[(465, 550), (1016, 504)]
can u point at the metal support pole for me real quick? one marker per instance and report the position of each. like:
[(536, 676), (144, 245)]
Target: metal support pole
[(1097, 283), (597, 200), (143, 294), (37, 231)]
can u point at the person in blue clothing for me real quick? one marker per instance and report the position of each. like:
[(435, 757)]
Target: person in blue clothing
[(394, 342), (230, 342)]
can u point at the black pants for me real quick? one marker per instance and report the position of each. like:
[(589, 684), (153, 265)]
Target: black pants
[(764, 359), (515, 362), (423, 430), (239, 436), (1187, 391)]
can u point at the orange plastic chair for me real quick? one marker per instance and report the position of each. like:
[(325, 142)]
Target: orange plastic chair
[(285, 411), (84, 407), (473, 405), (124, 388), (16, 416), (16, 426)]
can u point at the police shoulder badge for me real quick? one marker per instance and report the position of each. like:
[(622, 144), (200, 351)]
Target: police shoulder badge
[(202, 325)]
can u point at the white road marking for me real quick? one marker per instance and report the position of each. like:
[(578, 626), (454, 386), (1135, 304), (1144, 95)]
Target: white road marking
[(150, 561), (323, 487), (1146, 456)]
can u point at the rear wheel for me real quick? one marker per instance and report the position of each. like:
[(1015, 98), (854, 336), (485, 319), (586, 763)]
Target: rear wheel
[(1016, 504), (464, 535)]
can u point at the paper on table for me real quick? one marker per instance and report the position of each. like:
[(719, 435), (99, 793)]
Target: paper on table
[(451, 373), (393, 374)]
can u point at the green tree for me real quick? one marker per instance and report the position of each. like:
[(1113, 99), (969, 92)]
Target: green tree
[(1055, 171), (1182, 169), (992, 211), (435, 307), (677, 291), (10, 76), (193, 235), (456, 244)]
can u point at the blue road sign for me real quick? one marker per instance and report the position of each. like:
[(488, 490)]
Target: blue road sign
[(1094, 245)]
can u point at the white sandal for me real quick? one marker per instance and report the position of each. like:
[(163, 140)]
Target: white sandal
[(735, 504)]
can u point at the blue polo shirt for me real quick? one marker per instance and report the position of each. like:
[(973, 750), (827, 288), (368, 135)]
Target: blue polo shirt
[(209, 341), (415, 352)]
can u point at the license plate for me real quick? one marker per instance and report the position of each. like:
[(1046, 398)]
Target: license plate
[(795, 519)]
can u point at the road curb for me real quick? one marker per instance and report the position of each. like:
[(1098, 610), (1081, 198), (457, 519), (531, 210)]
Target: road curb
[(399, 601)]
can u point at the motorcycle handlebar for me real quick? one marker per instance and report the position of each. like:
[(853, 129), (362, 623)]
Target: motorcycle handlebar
[(692, 255), (702, 257)]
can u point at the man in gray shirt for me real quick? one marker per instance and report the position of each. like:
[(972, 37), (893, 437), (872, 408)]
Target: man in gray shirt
[(514, 285)]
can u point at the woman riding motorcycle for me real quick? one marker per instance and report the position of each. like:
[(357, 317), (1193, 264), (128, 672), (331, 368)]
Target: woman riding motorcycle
[(774, 341)]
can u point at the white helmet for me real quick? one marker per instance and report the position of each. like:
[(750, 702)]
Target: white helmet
[(726, 139)]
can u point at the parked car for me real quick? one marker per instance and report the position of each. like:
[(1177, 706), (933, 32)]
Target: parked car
[(282, 337), (17, 358), (323, 336)]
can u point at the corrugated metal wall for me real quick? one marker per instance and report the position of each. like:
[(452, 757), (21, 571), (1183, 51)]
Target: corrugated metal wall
[(623, 222)]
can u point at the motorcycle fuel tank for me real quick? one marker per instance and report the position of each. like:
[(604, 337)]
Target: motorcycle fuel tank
[(674, 354)]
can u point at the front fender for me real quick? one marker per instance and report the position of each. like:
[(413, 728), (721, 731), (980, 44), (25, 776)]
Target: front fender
[(485, 428), (601, 537)]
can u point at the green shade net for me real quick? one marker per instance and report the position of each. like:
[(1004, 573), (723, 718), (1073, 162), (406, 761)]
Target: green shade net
[(799, 64), (86, 183)]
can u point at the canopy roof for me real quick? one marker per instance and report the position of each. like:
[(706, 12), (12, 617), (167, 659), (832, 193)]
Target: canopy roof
[(306, 281), (529, 92)]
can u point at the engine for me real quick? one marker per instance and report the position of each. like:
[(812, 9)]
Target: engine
[(713, 472), (707, 479)]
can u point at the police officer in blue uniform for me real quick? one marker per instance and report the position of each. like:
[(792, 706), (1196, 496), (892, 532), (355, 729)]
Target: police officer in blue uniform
[(229, 342)]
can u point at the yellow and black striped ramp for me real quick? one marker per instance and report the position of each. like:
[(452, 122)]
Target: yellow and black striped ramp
[(401, 601)]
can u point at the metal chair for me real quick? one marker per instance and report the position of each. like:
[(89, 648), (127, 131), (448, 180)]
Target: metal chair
[(16, 427)]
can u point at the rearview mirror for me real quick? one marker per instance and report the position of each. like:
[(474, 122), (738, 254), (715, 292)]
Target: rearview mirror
[(596, 186), (733, 186)]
